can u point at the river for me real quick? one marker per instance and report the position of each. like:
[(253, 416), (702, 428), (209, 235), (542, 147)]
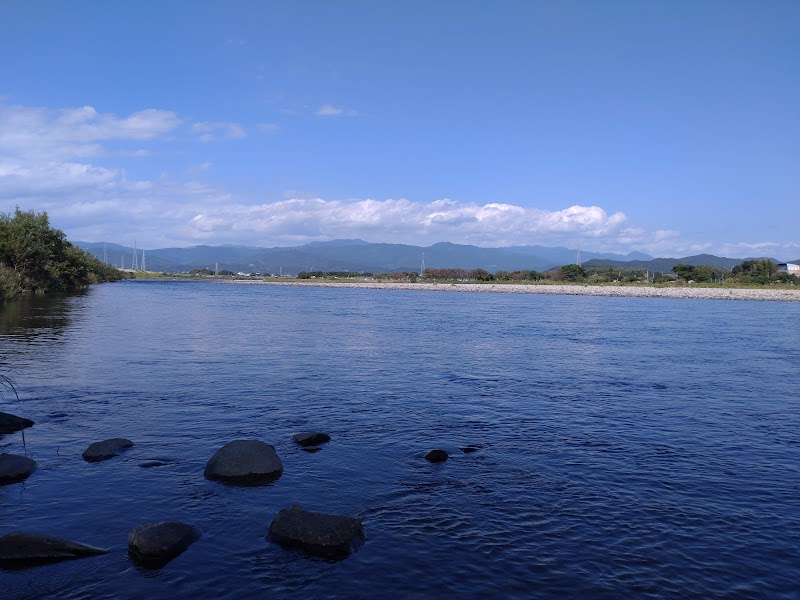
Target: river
[(627, 447)]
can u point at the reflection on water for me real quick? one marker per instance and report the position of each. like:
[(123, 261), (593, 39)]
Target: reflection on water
[(29, 317), (626, 447)]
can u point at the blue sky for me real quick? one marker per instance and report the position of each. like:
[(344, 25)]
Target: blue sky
[(671, 128)]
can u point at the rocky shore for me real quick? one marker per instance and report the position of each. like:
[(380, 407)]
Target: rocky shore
[(694, 293)]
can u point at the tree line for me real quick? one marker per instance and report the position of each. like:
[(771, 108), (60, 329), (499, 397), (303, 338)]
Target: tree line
[(760, 271), (757, 271), (333, 274), (36, 258)]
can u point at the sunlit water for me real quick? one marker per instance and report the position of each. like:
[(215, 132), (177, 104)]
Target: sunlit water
[(628, 447)]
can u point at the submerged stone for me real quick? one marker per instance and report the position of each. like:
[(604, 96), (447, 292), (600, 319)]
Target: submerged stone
[(436, 456), (245, 462), (21, 549), (155, 462), (319, 534), (311, 438), (153, 545), (10, 423), (14, 468), (106, 449)]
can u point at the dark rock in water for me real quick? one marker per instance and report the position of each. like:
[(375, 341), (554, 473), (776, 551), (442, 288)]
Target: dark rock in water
[(14, 468), (312, 448), (469, 449), (311, 438), (436, 456), (244, 462), (319, 534), (155, 462), (21, 549), (106, 449), (153, 545), (11, 423)]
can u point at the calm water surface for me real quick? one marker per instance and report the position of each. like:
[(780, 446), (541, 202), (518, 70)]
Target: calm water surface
[(628, 447)]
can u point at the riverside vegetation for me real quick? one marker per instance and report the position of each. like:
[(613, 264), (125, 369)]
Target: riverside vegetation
[(750, 273), (36, 258)]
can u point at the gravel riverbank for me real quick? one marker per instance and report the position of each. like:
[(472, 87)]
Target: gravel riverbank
[(695, 293)]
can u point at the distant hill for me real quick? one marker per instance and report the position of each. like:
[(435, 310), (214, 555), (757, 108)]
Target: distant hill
[(665, 265), (347, 255), (361, 256)]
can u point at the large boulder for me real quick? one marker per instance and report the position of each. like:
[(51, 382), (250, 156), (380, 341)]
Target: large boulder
[(244, 462), (311, 438), (436, 456), (106, 449), (21, 548), (10, 423), (319, 534), (153, 545), (14, 468)]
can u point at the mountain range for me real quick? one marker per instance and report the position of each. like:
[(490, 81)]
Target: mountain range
[(361, 256)]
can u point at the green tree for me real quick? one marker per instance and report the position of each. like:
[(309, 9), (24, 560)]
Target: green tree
[(573, 272), (481, 275), (34, 257), (756, 271), (28, 248)]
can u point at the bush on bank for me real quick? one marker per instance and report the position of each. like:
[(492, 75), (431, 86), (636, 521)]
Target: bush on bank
[(36, 258)]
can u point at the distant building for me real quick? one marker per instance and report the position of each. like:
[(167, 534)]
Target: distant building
[(790, 268)]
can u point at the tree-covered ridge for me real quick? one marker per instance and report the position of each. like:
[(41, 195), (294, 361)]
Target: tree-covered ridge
[(36, 258)]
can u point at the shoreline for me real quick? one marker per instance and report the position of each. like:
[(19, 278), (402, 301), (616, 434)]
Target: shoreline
[(683, 293)]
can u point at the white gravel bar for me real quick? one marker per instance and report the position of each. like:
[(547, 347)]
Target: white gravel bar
[(692, 293)]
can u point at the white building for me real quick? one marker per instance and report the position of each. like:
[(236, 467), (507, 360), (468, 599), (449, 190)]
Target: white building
[(790, 268)]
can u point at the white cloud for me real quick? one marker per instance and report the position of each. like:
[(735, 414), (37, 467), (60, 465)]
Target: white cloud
[(39, 134), (268, 128), (212, 132), (780, 250), (51, 160), (301, 220), (47, 162), (329, 110)]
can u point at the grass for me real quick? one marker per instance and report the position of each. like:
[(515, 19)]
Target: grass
[(7, 384)]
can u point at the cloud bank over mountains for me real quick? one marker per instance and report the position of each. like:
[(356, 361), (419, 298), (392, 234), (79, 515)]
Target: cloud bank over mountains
[(405, 221), (75, 163)]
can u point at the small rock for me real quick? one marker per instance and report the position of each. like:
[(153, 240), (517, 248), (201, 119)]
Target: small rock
[(155, 462), (106, 449), (244, 462), (319, 534), (153, 545), (469, 449), (10, 423), (311, 438), (312, 448), (20, 548), (14, 468), (436, 456)]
